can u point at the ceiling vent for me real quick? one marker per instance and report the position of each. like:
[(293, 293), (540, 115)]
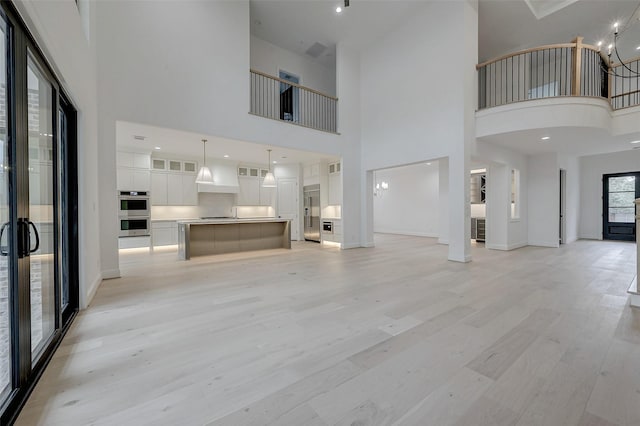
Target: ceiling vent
[(316, 50), (139, 138)]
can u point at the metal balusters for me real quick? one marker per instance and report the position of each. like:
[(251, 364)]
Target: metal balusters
[(278, 99)]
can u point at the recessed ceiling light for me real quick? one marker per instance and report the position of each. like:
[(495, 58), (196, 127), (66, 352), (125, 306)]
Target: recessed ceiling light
[(139, 137), (226, 156), (338, 9), (157, 147), (283, 157), (638, 48), (428, 164), (634, 142), (275, 162), (599, 43), (545, 138)]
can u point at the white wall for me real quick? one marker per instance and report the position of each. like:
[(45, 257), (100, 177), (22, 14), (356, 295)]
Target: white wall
[(410, 205), (400, 125), (591, 170), (270, 59), (185, 66), (73, 59), (544, 200), (503, 232)]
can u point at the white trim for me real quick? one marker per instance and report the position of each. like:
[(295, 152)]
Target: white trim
[(93, 289), (111, 274), (554, 244), (444, 241), (349, 246), (506, 247), (408, 233)]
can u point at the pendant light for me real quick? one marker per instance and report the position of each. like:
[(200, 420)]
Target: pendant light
[(269, 179), (204, 174)]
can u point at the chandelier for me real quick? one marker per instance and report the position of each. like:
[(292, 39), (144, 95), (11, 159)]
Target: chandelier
[(632, 25)]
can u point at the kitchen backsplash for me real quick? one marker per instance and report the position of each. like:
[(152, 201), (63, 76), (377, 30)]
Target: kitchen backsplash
[(255, 211), (209, 205)]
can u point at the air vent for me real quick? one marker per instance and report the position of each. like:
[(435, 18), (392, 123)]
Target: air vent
[(316, 50), (139, 138)]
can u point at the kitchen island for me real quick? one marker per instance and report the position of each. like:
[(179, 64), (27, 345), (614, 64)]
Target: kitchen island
[(203, 237)]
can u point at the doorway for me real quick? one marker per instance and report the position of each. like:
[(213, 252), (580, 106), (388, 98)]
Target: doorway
[(620, 190), (288, 206), (289, 97)]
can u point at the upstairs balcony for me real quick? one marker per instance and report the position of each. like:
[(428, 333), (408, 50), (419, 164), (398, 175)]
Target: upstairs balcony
[(279, 99), (568, 69)]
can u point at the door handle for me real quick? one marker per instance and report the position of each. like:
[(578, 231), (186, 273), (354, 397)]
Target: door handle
[(3, 252), (35, 230)]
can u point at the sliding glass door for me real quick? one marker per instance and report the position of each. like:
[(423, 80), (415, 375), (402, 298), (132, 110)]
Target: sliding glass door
[(38, 214), (5, 218)]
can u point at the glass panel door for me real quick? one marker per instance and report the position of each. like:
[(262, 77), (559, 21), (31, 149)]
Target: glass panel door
[(42, 212), (5, 229), (619, 194)]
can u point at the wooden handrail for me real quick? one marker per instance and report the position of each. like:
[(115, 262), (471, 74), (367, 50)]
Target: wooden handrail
[(619, 64), (293, 84), (522, 52), (633, 92)]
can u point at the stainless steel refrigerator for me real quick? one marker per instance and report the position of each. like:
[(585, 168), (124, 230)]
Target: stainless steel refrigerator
[(312, 213)]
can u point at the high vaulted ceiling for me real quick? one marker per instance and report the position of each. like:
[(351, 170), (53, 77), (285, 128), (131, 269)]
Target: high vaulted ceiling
[(296, 25), (509, 25)]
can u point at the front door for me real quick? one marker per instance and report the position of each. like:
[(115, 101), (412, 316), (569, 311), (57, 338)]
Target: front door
[(620, 190)]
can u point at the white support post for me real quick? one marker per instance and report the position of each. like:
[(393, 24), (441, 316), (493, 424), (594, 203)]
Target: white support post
[(634, 291)]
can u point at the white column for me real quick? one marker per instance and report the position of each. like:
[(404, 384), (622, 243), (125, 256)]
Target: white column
[(459, 208), (443, 201), (634, 291)]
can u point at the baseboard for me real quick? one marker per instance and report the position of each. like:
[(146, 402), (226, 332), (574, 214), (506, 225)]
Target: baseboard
[(571, 240), (590, 237), (506, 247), (93, 289), (346, 246), (467, 259), (408, 233), (544, 244), (444, 241), (111, 274)]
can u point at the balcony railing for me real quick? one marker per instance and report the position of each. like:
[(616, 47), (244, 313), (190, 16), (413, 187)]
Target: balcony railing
[(279, 99), (568, 69)]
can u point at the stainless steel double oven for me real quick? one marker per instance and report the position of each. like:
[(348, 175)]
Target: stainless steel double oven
[(134, 213)]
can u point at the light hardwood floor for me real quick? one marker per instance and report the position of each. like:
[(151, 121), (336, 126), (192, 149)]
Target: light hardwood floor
[(389, 335)]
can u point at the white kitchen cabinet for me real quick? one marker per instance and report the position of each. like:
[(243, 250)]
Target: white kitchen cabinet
[(174, 189), (189, 190), (249, 192), (132, 173), (159, 164), (175, 166), (159, 196), (164, 233), (133, 160), (266, 195), (189, 167), (132, 179), (335, 189), (141, 161)]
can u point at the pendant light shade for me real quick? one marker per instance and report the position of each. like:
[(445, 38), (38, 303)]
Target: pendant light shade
[(204, 175), (269, 179)]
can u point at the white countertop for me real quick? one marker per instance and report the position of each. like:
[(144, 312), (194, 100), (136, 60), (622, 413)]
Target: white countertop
[(231, 220)]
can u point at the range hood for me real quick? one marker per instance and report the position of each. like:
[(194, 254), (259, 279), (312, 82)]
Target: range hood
[(224, 189), (225, 178)]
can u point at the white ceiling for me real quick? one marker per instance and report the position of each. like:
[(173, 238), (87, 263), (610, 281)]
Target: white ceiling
[(297, 25), (189, 146), (567, 140), (509, 25)]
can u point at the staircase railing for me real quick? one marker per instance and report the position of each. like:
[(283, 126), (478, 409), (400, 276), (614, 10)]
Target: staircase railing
[(567, 69), (279, 99)]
